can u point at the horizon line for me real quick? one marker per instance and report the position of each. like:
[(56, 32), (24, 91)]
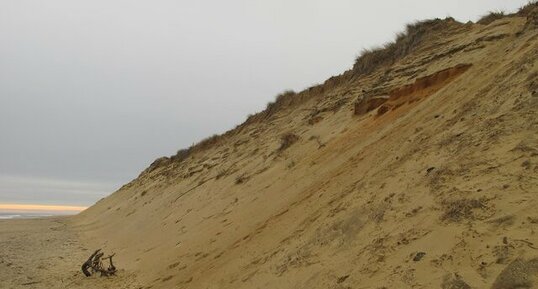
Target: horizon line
[(37, 207)]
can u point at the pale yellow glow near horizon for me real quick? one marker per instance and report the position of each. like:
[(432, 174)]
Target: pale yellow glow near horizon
[(29, 207)]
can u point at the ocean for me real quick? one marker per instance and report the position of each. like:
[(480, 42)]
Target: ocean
[(7, 216)]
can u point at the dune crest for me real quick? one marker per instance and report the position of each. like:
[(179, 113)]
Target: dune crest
[(416, 168)]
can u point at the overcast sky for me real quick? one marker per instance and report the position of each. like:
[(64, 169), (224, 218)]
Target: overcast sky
[(91, 92)]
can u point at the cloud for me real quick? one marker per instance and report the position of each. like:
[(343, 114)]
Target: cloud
[(32, 190), (91, 92)]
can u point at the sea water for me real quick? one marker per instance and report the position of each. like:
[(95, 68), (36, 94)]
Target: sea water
[(7, 216)]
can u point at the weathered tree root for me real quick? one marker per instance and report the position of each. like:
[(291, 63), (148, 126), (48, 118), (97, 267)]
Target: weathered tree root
[(94, 264)]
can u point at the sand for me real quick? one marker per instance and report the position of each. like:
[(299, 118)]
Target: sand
[(432, 186), (47, 253)]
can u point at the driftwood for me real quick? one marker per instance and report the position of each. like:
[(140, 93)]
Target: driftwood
[(94, 264)]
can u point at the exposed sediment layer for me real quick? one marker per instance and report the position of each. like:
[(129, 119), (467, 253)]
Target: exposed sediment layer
[(429, 181)]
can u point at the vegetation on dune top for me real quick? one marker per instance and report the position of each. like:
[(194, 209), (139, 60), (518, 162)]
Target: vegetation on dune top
[(369, 61)]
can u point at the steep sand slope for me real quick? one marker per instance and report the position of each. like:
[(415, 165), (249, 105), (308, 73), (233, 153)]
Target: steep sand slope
[(421, 174)]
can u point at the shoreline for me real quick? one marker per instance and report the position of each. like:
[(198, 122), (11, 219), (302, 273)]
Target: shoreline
[(18, 216)]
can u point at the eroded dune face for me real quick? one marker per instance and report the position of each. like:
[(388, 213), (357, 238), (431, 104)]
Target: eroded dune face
[(420, 174), (409, 93)]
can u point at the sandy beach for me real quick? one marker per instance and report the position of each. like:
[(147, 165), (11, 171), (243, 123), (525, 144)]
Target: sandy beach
[(47, 253), (420, 172)]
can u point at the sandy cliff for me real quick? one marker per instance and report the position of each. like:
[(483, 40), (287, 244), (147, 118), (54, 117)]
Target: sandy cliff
[(418, 168)]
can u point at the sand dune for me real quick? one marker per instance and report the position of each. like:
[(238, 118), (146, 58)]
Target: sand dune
[(420, 174)]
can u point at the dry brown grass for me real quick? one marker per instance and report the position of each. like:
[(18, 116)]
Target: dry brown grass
[(490, 17), (287, 140), (181, 155), (280, 99), (221, 174), (155, 164), (241, 179), (405, 42), (290, 98), (458, 210), (370, 60), (206, 143), (528, 8)]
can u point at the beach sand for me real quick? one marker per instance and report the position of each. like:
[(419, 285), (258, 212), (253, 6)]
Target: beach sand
[(435, 188), (48, 253)]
